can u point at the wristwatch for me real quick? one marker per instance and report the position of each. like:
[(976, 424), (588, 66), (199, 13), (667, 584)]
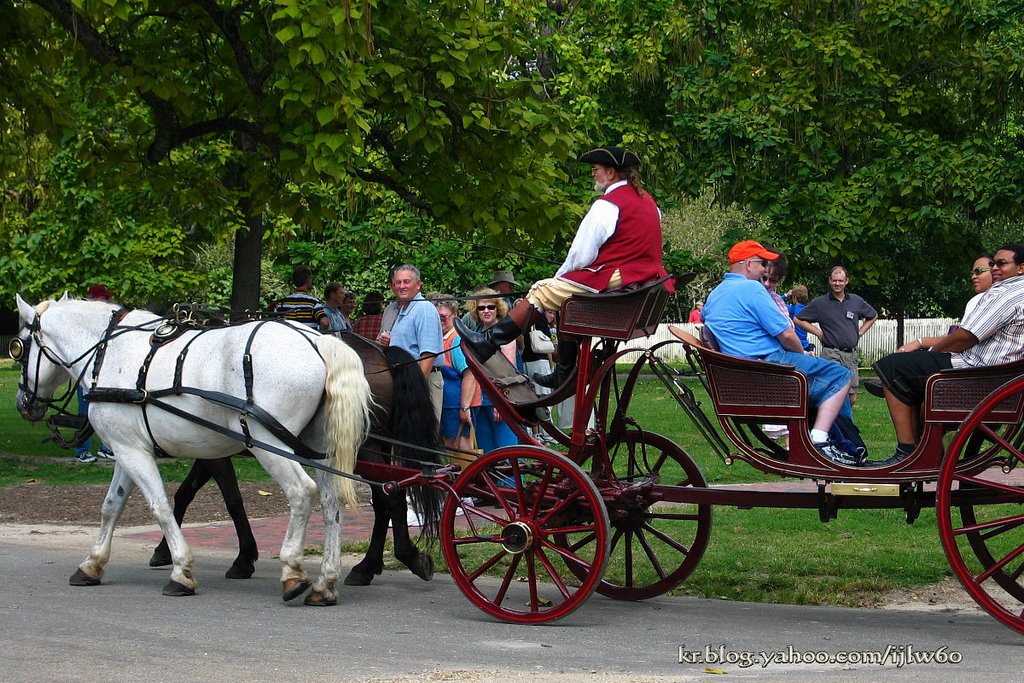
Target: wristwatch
[(465, 409)]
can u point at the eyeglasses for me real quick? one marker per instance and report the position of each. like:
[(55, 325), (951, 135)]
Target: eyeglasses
[(488, 307), (769, 280), (445, 316), (1000, 263)]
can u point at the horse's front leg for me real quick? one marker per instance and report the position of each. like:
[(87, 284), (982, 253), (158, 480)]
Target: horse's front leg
[(183, 497), (147, 477), (325, 588), (299, 489), (90, 572)]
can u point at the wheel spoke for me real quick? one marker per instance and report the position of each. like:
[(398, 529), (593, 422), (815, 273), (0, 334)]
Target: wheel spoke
[(506, 580), (1015, 491), (651, 554), (999, 564), (556, 577), (995, 526), (666, 539), (569, 557)]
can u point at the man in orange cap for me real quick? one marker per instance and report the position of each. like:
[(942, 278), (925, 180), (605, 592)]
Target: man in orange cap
[(618, 243), (746, 323)]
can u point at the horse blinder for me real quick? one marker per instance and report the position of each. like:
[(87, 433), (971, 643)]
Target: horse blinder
[(18, 350)]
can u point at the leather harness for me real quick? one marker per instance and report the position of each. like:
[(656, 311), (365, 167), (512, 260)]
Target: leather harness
[(246, 407)]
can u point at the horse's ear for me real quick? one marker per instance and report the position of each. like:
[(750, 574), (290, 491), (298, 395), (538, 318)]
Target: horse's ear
[(65, 297), (25, 310)]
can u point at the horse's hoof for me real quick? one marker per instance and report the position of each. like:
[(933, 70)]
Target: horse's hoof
[(423, 566), (317, 599), (80, 578), (358, 578), (293, 588), (177, 590), (240, 569), (160, 559)]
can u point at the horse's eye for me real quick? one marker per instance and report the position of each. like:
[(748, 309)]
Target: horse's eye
[(16, 349)]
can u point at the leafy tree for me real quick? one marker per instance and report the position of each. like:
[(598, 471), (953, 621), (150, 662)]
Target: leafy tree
[(878, 135), (228, 103), (873, 134)]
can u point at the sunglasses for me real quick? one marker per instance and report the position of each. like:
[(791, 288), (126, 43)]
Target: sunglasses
[(1000, 263), (488, 307), (979, 271), (770, 280)]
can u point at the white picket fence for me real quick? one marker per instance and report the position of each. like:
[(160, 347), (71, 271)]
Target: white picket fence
[(879, 341)]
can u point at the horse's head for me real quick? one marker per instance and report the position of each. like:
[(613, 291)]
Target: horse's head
[(42, 368)]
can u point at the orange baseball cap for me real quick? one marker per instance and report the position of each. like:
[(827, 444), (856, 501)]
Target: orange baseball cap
[(741, 251)]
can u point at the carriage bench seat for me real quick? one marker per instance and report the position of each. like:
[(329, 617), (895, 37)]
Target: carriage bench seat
[(621, 314), (745, 388), (951, 395)]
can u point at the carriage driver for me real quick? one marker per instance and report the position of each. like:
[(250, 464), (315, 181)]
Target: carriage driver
[(618, 243)]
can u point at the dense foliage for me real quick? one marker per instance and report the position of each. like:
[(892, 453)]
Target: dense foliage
[(884, 135)]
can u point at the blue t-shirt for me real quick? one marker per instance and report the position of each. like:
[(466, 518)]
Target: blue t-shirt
[(417, 329), (801, 333), (743, 318)]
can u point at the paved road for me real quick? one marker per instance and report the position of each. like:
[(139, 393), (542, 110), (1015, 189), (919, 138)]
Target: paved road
[(404, 629)]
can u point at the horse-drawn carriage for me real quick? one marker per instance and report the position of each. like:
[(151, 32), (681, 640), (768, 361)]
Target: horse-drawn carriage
[(527, 531)]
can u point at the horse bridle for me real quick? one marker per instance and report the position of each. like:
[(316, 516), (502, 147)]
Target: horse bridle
[(20, 350)]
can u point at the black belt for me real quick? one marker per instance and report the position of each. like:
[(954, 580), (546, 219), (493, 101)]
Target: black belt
[(840, 348)]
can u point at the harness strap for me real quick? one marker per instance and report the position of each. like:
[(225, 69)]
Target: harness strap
[(247, 371), (101, 349), (244, 408)]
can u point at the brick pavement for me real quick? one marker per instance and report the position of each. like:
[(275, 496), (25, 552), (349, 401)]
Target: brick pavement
[(269, 531)]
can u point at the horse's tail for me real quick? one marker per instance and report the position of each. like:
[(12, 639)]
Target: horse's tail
[(347, 410), (413, 422)]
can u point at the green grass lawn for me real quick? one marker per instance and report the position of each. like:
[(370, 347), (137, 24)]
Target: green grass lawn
[(766, 555)]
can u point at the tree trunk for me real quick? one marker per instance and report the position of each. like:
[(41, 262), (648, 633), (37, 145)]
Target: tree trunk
[(245, 280)]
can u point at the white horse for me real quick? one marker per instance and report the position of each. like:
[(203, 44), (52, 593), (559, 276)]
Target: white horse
[(311, 385)]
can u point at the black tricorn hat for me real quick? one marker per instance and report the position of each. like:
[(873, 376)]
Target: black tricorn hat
[(610, 156)]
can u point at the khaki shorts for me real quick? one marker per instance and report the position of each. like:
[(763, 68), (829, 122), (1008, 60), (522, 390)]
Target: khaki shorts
[(435, 381), (847, 359), (550, 293)]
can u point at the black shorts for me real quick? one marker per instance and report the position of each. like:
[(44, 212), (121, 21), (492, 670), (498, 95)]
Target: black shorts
[(905, 374)]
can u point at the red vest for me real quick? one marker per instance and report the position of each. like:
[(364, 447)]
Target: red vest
[(634, 248)]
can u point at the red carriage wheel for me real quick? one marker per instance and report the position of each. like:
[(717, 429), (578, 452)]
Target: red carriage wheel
[(501, 551), (658, 546), (981, 513)]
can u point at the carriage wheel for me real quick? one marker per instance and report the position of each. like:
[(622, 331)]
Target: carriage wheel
[(501, 551), (658, 545), (981, 515)]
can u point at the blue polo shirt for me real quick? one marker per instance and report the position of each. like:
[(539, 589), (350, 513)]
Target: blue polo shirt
[(743, 318), (417, 329)]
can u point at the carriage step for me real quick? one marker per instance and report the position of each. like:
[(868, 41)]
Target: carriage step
[(862, 489)]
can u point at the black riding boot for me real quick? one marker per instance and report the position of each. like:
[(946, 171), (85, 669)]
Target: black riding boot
[(568, 350), (486, 343)]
